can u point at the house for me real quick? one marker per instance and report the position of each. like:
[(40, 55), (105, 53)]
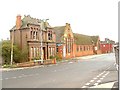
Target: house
[(107, 46), (35, 35)]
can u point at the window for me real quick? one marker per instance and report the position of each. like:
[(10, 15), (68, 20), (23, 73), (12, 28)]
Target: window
[(77, 48), (57, 49), (69, 46), (31, 35), (84, 48), (34, 35), (32, 28), (49, 35), (80, 48)]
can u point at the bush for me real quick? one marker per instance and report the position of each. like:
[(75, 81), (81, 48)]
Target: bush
[(18, 55), (52, 57)]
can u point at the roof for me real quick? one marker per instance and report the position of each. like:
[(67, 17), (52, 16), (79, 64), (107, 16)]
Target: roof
[(95, 39), (81, 39), (107, 42), (59, 30), (29, 20)]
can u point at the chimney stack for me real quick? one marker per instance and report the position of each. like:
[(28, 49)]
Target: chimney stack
[(18, 21)]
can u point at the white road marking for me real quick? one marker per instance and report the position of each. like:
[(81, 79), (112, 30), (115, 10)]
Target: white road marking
[(84, 87), (94, 78), (98, 76), (99, 81), (103, 76), (96, 84), (19, 76), (6, 78), (87, 84), (14, 77), (91, 80)]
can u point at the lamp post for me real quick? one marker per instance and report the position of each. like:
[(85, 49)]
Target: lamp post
[(41, 38)]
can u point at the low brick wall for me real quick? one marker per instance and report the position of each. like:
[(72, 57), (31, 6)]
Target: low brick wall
[(32, 63)]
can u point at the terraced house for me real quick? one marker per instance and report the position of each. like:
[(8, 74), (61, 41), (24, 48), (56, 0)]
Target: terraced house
[(31, 33)]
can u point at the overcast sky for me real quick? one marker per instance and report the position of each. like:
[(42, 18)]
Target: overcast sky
[(89, 17)]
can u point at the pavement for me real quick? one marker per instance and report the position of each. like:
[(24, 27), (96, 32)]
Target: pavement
[(76, 58)]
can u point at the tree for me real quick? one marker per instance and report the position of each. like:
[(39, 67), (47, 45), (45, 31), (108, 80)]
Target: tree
[(18, 54)]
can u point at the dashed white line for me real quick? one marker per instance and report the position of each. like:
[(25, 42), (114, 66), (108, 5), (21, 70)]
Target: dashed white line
[(99, 81), (98, 76), (19, 76), (84, 87), (14, 77), (91, 80), (103, 76), (6, 78), (96, 84), (95, 78), (87, 84)]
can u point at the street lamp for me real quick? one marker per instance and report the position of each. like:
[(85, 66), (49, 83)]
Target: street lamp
[(41, 39)]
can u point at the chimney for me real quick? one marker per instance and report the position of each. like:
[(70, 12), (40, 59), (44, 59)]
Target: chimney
[(18, 21)]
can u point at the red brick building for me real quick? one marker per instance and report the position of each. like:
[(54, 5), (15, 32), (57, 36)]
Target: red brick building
[(28, 33), (38, 36), (64, 41), (71, 45), (107, 46)]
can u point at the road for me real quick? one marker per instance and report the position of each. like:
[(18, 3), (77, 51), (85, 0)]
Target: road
[(74, 74)]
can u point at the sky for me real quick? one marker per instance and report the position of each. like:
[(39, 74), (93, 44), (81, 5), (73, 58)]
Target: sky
[(88, 17)]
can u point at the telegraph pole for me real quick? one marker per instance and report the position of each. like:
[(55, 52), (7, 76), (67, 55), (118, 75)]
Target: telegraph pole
[(12, 42)]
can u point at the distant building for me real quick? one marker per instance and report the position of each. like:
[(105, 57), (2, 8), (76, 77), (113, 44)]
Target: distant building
[(27, 34), (107, 46)]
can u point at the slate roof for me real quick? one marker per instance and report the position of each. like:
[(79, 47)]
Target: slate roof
[(95, 39), (105, 42), (59, 32), (29, 20), (81, 39)]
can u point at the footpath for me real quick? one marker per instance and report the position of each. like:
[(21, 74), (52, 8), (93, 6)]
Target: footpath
[(62, 61)]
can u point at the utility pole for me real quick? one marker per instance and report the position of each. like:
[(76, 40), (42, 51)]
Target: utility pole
[(41, 25), (12, 42), (41, 38)]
